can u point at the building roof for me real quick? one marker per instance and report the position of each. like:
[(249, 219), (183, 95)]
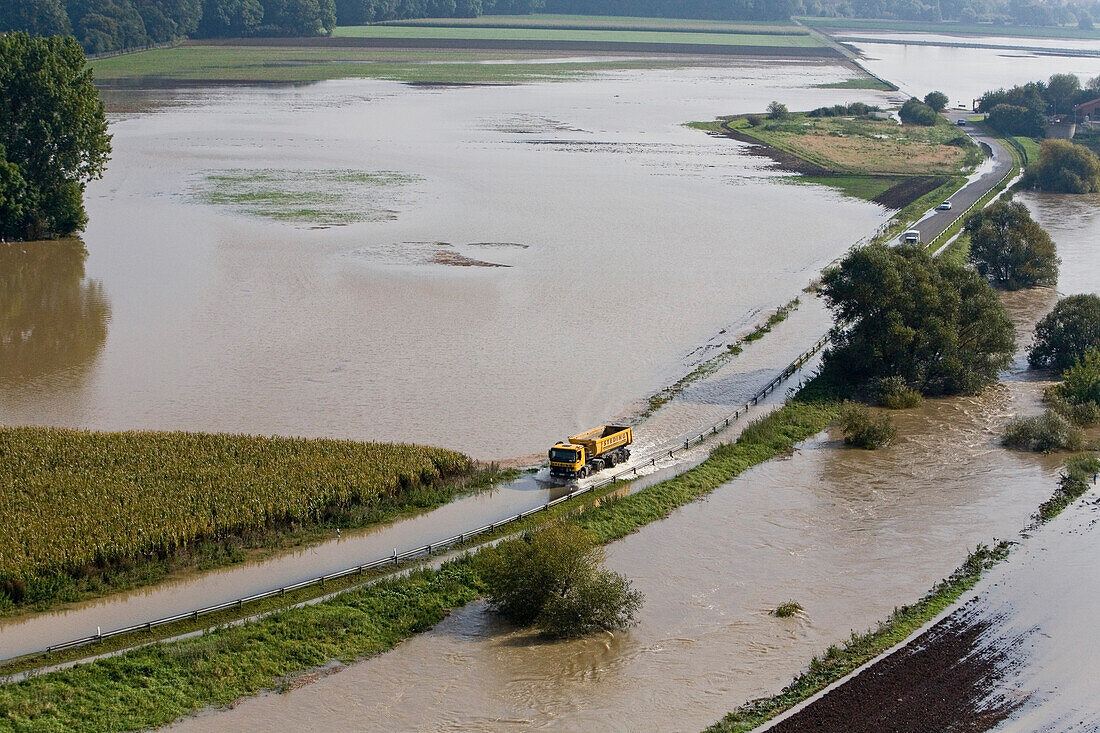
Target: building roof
[(1089, 103)]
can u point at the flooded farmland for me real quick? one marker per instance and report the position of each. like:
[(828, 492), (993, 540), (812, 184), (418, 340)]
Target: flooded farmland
[(847, 534), (619, 236)]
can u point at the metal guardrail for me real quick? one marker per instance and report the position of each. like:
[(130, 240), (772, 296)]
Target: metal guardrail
[(396, 558), (968, 209)]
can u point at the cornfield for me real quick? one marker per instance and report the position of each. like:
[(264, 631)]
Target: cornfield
[(69, 498)]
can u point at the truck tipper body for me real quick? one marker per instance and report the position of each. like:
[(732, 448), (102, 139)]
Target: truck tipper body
[(591, 451)]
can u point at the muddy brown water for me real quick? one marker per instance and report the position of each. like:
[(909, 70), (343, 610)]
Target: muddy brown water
[(848, 534), (641, 239)]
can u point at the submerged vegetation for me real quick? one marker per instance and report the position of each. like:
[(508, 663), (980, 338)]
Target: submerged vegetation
[(787, 610), (1045, 433), (863, 428), (1064, 335), (83, 507), (1009, 248), (310, 196)]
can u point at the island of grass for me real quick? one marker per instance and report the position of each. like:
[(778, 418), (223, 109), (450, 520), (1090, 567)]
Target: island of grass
[(879, 160), (950, 27), (86, 513)]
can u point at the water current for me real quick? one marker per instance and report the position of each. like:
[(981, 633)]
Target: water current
[(628, 240)]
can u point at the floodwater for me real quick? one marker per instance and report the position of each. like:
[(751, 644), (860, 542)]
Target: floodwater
[(964, 74), (1073, 222), (628, 241), (848, 534), (703, 403)]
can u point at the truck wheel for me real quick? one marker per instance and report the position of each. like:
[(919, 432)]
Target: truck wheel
[(583, 473), (611, 460)]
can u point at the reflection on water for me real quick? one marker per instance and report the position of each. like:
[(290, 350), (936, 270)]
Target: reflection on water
[(53, 321)]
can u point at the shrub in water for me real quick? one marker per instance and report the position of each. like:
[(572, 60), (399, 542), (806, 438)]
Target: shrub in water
[(551, 578), (864, 429), (788, 609), (1047, 433), (894, 393)]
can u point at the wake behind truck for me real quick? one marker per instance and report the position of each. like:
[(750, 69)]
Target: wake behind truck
[(591, 451)]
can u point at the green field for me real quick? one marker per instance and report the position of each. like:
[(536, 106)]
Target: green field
[(78, 503), (198, 63), (977, 29), (859, 82), (587, 35), (606, 23)]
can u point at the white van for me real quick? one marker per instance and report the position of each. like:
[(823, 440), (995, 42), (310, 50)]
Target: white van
[(912, 236)]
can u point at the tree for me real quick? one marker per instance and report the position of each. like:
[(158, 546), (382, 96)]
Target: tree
[(1009, 248), (1064, 167), (297, 17), (229, 18), (778, 111), (1081, 382), (1084, 20), (37, 17), (936, 100), (1064, 335), (916, 112), (899, 313), (1011, 119), (12, 195), (551, 578), (53, 127), (107, 25), (166, 20), (1061, 90)]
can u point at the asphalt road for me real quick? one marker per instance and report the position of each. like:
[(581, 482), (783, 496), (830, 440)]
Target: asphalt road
[(937, 221)]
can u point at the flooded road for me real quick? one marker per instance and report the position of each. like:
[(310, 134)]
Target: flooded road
[(964, 74), (848, 534), (622, 237)]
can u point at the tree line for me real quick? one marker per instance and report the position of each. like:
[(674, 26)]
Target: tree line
[(102, 26)]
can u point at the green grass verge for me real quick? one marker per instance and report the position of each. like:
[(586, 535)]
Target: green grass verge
[(838, 661), (603, 35), (860, 187), (154, 685), (901, 220), (200, 63), (860, 82), (606, 22), (978, 29)]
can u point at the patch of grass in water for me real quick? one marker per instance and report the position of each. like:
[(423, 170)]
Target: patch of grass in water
[(859, 82), (788, 609), (312, 197)]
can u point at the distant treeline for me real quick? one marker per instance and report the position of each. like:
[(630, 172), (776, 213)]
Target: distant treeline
[(111, 25)]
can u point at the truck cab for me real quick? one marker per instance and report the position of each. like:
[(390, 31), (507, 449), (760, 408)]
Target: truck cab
[(567, 459)]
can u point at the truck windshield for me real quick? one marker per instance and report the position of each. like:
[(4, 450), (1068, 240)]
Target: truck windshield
[(563, 455)]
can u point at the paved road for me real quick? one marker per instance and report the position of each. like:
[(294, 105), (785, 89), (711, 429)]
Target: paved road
[(25, 635), (993, 171)]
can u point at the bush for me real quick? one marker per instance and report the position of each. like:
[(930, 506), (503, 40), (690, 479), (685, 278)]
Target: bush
[(1010, 249), (788, 609), (778, 111), (916, 112), (894, 394), (551, 578), (1010, 119), (1077, 398), (1064, 167), (1064, 335), (754, 120), (863, 429), (936, 100), (1044, 434), (1078, 413)]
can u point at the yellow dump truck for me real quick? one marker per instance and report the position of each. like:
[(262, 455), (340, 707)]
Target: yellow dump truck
[(591, 451)]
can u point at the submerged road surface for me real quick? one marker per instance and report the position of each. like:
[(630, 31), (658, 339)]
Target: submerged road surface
[(718, 394)]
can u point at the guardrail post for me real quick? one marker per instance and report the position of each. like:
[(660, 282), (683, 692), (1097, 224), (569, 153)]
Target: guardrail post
[(395, 557)]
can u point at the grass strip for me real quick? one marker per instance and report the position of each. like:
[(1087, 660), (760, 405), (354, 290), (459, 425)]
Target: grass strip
[(949, 27), (713, 364), (156, 684), (839, 661), (514, 33), (859, 82), (607, 22)]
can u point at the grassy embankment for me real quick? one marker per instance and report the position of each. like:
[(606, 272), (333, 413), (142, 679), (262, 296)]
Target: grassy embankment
[(838, 662), (978, 29), (608, 22), (908, 167), (859, 82), (89, 513), (153, 685)]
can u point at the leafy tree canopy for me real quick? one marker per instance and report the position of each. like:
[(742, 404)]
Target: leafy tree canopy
[(1064, 335), (1064, 167), (899, 313), (1010, 248), (916, 112), (1010, 119), (936, 100), (53, 129), (37, 17), (551, 578)]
